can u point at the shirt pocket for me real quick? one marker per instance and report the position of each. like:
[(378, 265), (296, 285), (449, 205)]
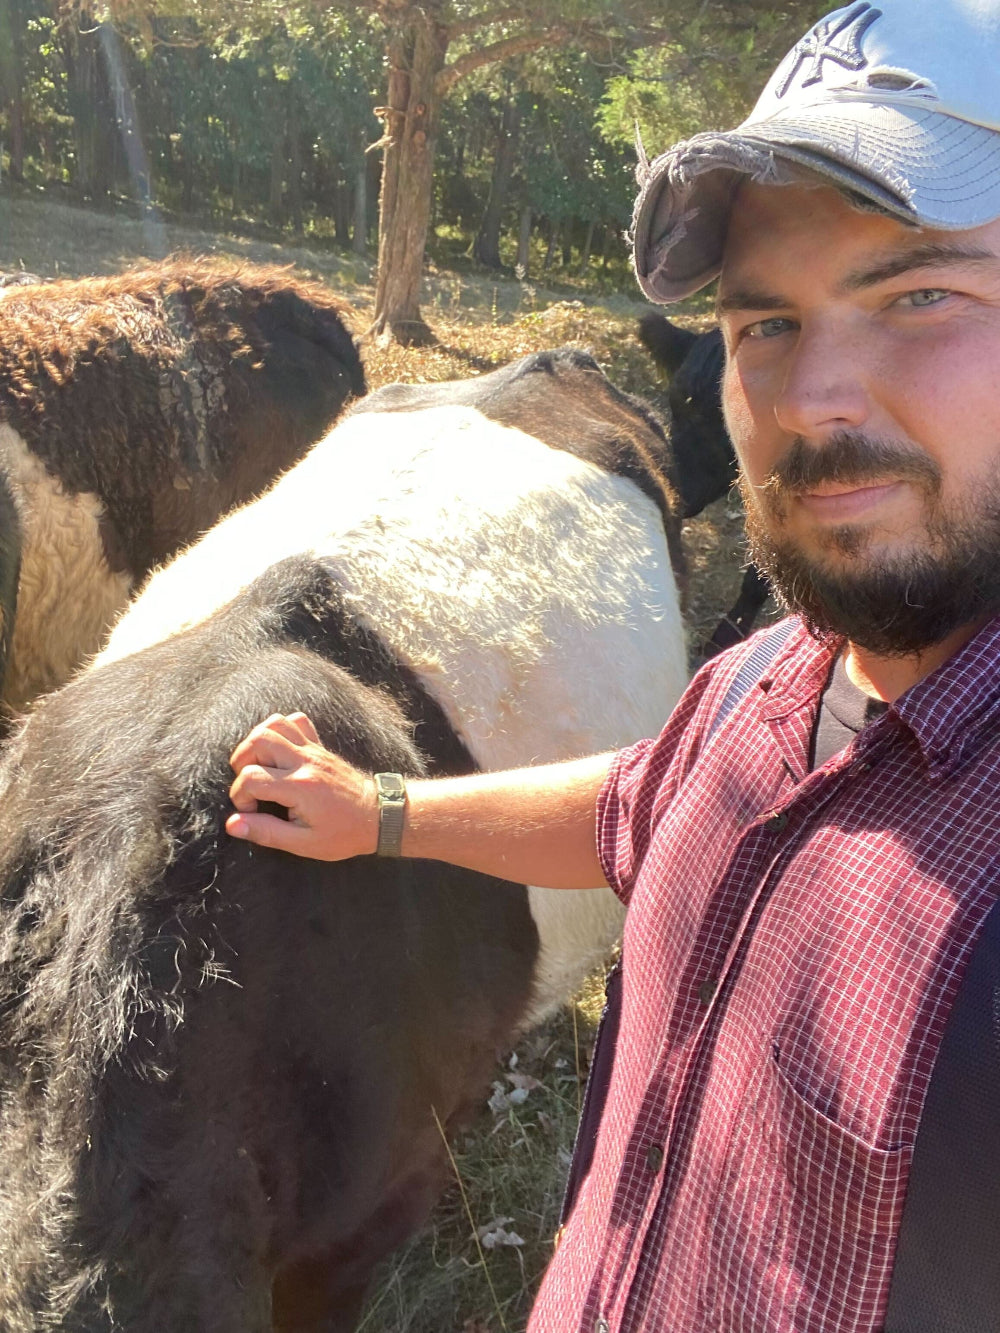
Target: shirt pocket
[(804, 1218), (841, 1180)]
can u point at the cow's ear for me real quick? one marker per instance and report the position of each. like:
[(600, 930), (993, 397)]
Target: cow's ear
[(667, 344)]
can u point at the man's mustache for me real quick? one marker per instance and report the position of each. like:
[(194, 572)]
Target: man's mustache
[(849, 459)]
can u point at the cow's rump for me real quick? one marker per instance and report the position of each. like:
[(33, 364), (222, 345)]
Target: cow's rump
[(222, 1065)]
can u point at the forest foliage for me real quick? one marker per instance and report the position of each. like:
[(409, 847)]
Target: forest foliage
[(283, 116)]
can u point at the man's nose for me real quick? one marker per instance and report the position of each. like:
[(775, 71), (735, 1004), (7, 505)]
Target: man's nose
[(825, 387)]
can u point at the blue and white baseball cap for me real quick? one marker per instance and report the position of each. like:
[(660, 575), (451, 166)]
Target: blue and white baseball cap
[(897, 103)]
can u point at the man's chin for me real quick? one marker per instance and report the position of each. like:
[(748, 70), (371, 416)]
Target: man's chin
[(888, 613), (891, 603)]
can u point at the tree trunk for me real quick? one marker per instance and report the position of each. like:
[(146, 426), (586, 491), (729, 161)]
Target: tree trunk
[(342, 212), (294, 162), (275, 194), (12, 24), (416, 55), (486, 247), (17, 134), (553, 245), (89, 103), (587, 244), (567, 243), (524, 243)]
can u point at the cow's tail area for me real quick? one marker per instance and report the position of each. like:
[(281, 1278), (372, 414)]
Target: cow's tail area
[(113, 797)]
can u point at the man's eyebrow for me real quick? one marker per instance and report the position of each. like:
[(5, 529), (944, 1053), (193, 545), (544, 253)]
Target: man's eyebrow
[(746, 298), (932, 255)]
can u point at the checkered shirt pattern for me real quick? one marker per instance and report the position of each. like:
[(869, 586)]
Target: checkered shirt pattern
[(793, 945)]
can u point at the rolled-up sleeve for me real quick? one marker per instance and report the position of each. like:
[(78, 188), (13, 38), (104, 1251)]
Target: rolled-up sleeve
[(640, 781)]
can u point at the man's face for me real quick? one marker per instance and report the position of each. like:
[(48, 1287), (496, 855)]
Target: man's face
[(861, 392)]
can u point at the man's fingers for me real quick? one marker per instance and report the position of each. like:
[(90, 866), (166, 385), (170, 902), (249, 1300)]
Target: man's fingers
[(256, 783), (269, 831), (295, 727), (268, 748), (305, 727)]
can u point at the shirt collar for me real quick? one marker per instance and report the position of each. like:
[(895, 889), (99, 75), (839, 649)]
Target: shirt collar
[(949, 712)]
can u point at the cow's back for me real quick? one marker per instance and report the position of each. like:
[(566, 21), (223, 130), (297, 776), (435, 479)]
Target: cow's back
[(530, 590)]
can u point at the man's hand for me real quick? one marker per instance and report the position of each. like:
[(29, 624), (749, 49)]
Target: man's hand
[(530, 825), (332, 808)]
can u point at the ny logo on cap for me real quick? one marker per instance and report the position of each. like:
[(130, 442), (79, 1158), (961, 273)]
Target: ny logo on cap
[(840, 41)]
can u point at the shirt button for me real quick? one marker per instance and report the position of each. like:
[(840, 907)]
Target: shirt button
[(777, 822), (707, 990), (601, 1326), (654, 1157)]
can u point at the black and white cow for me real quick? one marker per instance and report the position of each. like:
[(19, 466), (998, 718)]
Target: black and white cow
[(222, 1069), (134, 411), (703, 464)]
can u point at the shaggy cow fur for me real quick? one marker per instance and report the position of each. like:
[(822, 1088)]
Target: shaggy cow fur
[(221, 1069), (134, 411), (220, 1066), (529, 587)]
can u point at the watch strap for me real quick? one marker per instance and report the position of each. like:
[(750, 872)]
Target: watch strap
[(391, 791)]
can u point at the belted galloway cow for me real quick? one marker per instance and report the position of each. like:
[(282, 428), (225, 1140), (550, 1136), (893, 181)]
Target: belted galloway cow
[(134, 411), (224, 1071)]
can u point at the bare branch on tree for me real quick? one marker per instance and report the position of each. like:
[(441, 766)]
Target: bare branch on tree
[(496, 51)]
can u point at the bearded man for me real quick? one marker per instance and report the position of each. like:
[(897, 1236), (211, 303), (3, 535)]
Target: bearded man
[(807, 880)]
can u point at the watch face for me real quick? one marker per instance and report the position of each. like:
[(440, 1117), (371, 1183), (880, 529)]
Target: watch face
[(390, 786)]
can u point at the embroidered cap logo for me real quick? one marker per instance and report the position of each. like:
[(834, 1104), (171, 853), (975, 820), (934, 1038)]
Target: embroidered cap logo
[(840, 42)]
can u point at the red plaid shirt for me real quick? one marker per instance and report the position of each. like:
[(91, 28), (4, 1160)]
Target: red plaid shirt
[(793, 946)]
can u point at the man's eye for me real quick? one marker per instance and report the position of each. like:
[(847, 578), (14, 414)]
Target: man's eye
[(768, 328), (926, 296)]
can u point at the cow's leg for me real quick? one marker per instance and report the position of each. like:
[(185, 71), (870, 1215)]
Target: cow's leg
[(324, 1292)]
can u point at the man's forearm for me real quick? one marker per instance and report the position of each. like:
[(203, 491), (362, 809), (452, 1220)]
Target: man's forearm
[(530, 825)]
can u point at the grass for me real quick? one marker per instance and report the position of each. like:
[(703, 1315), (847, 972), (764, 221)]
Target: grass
[(476, 1267)]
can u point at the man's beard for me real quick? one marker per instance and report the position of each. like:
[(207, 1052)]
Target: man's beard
[(891, 605)]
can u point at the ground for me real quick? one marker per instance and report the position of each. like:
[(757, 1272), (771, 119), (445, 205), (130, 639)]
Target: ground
[(475, 1270)]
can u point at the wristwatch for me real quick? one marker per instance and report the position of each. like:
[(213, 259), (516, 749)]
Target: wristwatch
[(391, 792)]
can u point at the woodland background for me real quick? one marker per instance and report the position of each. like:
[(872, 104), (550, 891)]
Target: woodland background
[(501, 135)]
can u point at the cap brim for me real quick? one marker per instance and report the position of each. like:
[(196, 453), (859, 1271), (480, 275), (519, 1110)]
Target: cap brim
[(920, 165)]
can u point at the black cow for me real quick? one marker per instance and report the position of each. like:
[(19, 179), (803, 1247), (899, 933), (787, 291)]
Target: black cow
[(704, 464)]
